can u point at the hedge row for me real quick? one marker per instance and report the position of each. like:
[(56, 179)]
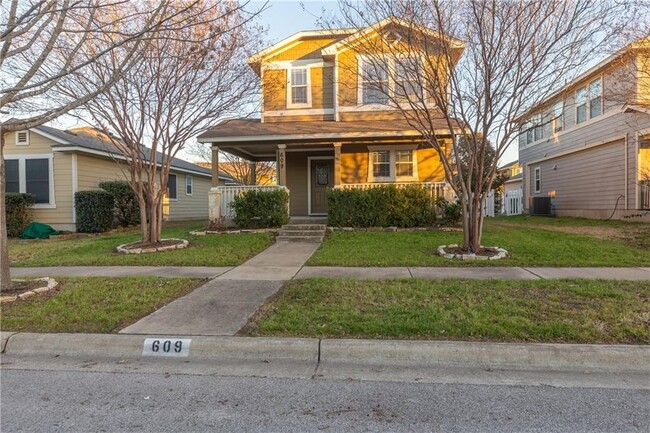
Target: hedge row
[(380, 206), (94, 210), (261, 209), (127, 209), (18, 212)]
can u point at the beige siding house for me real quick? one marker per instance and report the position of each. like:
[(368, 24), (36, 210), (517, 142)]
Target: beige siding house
[(586, 146), (325, 124), (53, 164)]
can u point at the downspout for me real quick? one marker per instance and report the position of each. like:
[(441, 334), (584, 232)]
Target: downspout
[(626, 170)]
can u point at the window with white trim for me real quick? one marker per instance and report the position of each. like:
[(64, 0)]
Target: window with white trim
[(558, 116), (31, 175), (374, 81), (188, 184), (406, 87), (172, 187), (381, 164), (596, 98), (392, 164), (299, 92), (537, 181), (581, 105), (22, 138)]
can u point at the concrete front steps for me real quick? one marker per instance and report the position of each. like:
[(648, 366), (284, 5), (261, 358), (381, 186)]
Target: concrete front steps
[(301, 233)]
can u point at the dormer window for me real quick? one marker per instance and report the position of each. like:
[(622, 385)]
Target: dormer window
[(22, 138), (299, 94)]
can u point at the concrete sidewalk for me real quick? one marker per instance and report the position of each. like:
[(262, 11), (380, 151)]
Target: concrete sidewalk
[(121, 271), (223, 305), (286, 263)]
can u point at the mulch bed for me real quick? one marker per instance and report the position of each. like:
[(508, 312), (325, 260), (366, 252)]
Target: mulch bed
[(163, 243), (20, 286)]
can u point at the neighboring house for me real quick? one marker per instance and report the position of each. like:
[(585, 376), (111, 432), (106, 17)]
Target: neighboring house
[(584, 149), (511, 202), (264, 174), (325, 122), (53, 164)]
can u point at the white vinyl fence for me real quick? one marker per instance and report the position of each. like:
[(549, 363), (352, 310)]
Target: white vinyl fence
[(513, 202), (228, 194), (488, 205)]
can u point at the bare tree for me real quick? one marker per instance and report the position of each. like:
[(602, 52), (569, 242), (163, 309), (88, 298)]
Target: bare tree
[(238, 168), (185, 80), (42, 43), (476, 65)]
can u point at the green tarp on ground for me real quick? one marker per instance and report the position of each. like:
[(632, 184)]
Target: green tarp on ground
[(38, 231)]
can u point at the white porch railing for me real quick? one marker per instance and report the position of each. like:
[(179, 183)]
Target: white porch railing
[(513, 202), (228, 194), (436, 189), (645, 195)]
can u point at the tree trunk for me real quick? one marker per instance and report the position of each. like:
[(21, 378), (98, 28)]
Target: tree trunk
[(472, 222), (5, 274)]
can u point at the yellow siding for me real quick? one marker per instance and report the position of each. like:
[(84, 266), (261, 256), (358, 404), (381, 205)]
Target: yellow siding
[(275, 90), (91, 170), (322, 89), (643, 79), (644, 164), (306, 49)]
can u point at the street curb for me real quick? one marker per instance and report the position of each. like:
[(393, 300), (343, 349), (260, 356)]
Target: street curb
[(362, 353), (120, 346), (4, 337), (530, 357)]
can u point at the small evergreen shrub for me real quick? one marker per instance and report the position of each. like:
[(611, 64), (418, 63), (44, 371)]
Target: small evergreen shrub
[(261, 209), (380, 206), (451, 211), (127, 209), (95, 210), (18, 209)]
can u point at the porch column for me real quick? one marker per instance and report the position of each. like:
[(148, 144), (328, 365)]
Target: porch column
[(253, 169), (215, 166), (282, 164), (214, 195), (337, 164)]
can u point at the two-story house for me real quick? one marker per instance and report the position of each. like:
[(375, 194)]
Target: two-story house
[(327, 121), (586, 148)]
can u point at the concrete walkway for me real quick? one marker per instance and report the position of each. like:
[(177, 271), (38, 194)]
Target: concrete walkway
[(286, 263), (223, 305)]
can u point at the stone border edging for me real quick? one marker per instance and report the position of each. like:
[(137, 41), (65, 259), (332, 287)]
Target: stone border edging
[(331, 229), (376, 353), (501, 253), (231, 232), (51, 284), (123, 249)]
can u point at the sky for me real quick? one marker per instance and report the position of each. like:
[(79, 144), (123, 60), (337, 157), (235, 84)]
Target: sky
[(281, 18)]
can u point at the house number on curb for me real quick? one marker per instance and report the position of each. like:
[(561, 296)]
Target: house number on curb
[(179, 347)]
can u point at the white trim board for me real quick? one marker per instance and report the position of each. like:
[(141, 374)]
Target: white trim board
[(299, 112), (309, 160), (312, 136)]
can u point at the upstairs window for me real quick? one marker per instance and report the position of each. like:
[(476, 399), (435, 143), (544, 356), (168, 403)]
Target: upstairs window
[(374, 77), (405, 85), (581, 105), (298, 88), (558, 116), (539, 127), (595, 98)]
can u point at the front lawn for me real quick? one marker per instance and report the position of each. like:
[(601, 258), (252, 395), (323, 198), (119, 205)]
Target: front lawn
[(570, 311), (94, 305), (99, 250), (530, 241)]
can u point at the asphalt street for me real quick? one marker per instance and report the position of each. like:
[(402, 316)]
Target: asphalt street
[(62, 401)]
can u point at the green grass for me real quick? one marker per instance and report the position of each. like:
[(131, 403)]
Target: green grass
[(576, 311), (99, 250), (94, 305), (527, 245)]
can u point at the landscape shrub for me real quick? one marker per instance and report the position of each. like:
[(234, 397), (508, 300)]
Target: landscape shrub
[(380, 206), (95, 210), (127, 209), (18, 208), (451, 211), (261, 209)]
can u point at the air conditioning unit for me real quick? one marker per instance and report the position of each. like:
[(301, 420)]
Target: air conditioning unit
[(539, 206)]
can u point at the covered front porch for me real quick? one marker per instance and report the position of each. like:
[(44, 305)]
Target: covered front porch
[(308, 164)]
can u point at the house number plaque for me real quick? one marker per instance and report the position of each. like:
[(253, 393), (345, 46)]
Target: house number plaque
[(178, 347)]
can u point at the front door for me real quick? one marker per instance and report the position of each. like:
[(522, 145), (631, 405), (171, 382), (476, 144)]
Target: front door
[(322, 176)]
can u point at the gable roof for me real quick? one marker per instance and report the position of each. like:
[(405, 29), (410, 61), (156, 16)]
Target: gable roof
[(257, 57), (334, 48), (90, 140)]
